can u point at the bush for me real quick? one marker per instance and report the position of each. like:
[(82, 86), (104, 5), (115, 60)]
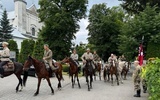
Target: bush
[(65, 68), (152, 76), (13, 47)]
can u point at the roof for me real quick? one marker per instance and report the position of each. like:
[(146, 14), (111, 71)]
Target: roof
[(17, 34)]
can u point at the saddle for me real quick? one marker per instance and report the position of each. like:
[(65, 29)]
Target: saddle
[(9, 66)]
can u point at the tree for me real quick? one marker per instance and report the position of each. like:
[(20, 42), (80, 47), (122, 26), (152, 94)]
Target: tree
[(146, 24), (13, 47), (5, 27), (104, 28), (60, 19), (136, 6), (38, 49), (27, 47)]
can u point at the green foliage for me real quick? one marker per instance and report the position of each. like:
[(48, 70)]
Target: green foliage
[(38, 49), (60, 19), (152, 76), (27, 47), (145, 24), (13, 47), (5, 28), (104, 28), (65, 68), (136, 6), (153, 50)]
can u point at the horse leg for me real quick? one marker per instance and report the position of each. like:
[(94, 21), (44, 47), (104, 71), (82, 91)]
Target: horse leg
[(49, 83), (108, 77), (87, 82), (78, 81), (72, 81), (100, 75), (104, 74), (120, 76), (39, 82), (20, 83), (59, 81), (91, 80), (112, 79), (95, 74), (117, 79)]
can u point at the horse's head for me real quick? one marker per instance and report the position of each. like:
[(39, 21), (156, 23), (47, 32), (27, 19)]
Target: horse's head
[(113, 63), (66, 60), (88, 62), (27, 63)]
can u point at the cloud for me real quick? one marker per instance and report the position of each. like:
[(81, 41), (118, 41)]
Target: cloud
[(82, 34)]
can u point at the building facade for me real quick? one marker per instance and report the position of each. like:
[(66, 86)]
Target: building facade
[(25, 21)]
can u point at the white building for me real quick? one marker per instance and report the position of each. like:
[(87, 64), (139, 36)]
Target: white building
[(24, 20)]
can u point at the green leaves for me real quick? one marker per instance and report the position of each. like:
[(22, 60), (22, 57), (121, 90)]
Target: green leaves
[(104, 27), (60, 18), (152, 76)]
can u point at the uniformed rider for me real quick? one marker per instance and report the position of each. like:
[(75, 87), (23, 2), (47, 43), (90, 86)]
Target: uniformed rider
[(5, 57), (87, 56)]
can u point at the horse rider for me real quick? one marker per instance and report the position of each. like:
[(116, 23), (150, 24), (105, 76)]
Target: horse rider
[(87, 56), (111, 59), (5, 57), (47, 57), (96, 58), (137, 79), (74, 56), (123, 58)]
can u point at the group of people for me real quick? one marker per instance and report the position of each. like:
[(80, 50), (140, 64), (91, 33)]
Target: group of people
[(47, 58)]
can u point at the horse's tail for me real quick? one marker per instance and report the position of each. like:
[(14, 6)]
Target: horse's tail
[(25, 76)]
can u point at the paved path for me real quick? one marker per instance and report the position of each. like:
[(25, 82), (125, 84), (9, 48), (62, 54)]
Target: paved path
[(101, 90)]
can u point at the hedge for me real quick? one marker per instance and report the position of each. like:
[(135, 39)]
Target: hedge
[(65, 68), (152, 76)]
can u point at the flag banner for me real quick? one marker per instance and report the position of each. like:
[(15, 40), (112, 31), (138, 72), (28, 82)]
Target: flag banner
[(140, 54)]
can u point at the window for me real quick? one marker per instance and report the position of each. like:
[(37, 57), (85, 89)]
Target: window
[(33, 31)]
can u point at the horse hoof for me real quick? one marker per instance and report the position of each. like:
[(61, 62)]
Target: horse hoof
[(79, 87), (20, 90), (121, 82), (35, 94)]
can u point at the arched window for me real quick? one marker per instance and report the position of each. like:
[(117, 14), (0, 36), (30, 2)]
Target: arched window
[(33, 31)]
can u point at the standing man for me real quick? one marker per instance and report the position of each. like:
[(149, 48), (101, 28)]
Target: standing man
[(47, 57), (137, 79), (5, 55), (87, 55)]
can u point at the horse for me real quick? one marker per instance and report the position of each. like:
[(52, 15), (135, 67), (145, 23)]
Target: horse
[(73, 70), (88, 69), (125, 70), (18, 70), (106, 72), (114, 71), (42, 72), (97, 69)]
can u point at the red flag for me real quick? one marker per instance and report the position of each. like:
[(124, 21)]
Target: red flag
[(140, 55)]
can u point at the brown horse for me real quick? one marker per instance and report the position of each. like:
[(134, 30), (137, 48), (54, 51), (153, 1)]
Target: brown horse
[(114, 71), (98, 69), (106, 72), (42, 72), (18, 69), (73, 70)]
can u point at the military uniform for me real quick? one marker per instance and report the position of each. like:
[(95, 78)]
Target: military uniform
[(137, 80), (48, 58), (86, 56), (5, 54), (75, 58), (110, 59)]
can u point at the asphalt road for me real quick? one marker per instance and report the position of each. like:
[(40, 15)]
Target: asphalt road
[(101, 90)]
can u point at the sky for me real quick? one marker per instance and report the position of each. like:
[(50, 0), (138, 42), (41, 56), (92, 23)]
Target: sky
[(82, 34)]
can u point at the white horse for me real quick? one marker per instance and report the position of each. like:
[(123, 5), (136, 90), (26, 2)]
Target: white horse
[(121, 65)]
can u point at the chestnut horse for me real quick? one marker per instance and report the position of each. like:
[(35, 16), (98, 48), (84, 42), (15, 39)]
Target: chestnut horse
[(42, 72), (73, 70), (97, 69), (18, 72), (114, 71)]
